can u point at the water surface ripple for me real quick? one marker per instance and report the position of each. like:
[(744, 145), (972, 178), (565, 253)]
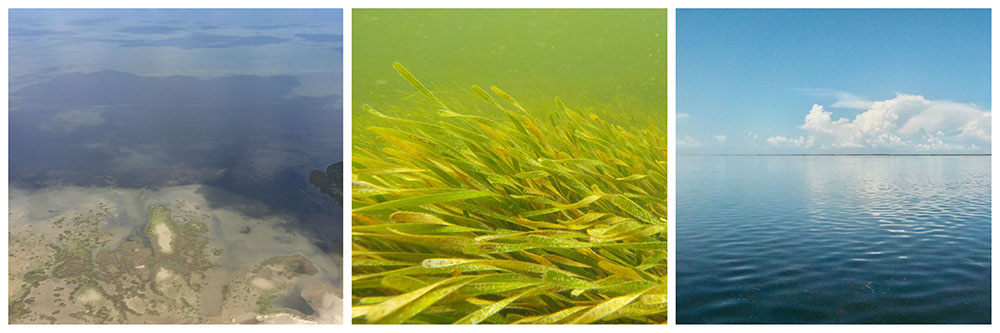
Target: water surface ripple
[(823, 239)]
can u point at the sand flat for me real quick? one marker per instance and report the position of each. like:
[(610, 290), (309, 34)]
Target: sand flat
[(163, 238), (163, 274), (88, 296), (262, 283)]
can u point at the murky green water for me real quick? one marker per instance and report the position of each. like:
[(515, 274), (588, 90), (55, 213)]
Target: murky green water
[(609, 62)]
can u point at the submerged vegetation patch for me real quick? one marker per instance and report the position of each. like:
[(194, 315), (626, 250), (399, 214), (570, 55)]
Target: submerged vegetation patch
[(460, 218), (72, 271)]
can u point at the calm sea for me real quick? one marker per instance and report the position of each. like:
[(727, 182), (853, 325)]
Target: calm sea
[(810, 239)]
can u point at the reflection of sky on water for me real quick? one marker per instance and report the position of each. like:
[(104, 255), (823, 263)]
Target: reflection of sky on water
[(810, 239), (201, 43), (248, 101), (897, 195)]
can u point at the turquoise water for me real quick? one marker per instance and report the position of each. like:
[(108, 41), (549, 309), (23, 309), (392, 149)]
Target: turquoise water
[(784, 239)]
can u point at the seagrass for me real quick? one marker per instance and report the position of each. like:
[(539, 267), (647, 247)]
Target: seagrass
[(465, 219)]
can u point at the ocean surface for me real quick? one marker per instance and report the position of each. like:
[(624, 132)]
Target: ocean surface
[(220, 112), (241, 101), (833, 239)]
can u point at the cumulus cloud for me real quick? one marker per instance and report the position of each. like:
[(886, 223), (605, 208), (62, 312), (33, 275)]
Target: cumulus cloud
[(904, 122), (783, 142), (936, 142), (682, 116), (720, 139)]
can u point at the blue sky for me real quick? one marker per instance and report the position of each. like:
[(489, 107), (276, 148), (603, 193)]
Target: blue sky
[(833, 81)]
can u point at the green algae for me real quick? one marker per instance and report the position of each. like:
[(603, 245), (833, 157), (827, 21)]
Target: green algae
[(292, 266), (82, 260), (189, 249), (80, 276)]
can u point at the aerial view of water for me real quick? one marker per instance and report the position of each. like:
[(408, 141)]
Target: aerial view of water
[(833, 239), (160, 160)]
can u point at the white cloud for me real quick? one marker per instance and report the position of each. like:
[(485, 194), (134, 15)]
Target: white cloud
[(683, 116), (850, 101), (844, 99), (752, 135), (720, 139), (935, 142), (902, 122), (689, 142), (783, 142)]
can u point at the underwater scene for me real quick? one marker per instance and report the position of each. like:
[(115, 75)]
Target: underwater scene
[(175, 166), (509, 167)]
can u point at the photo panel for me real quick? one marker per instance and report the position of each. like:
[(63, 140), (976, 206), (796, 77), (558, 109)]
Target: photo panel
[(175, 166), (509, 166), (833, 166)]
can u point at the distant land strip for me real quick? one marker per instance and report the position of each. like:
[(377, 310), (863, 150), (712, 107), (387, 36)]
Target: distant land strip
[(834, 154)]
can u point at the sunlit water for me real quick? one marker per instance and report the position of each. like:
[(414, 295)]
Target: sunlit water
[(785, 239)]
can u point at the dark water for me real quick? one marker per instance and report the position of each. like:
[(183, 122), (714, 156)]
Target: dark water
[(833, 239), (247, 102)]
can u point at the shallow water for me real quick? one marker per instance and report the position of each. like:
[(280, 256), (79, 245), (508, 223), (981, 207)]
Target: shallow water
[(270, 235), (228, 110), (833, 239)]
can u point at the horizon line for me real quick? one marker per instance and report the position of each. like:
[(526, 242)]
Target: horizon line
[(830, 154)]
